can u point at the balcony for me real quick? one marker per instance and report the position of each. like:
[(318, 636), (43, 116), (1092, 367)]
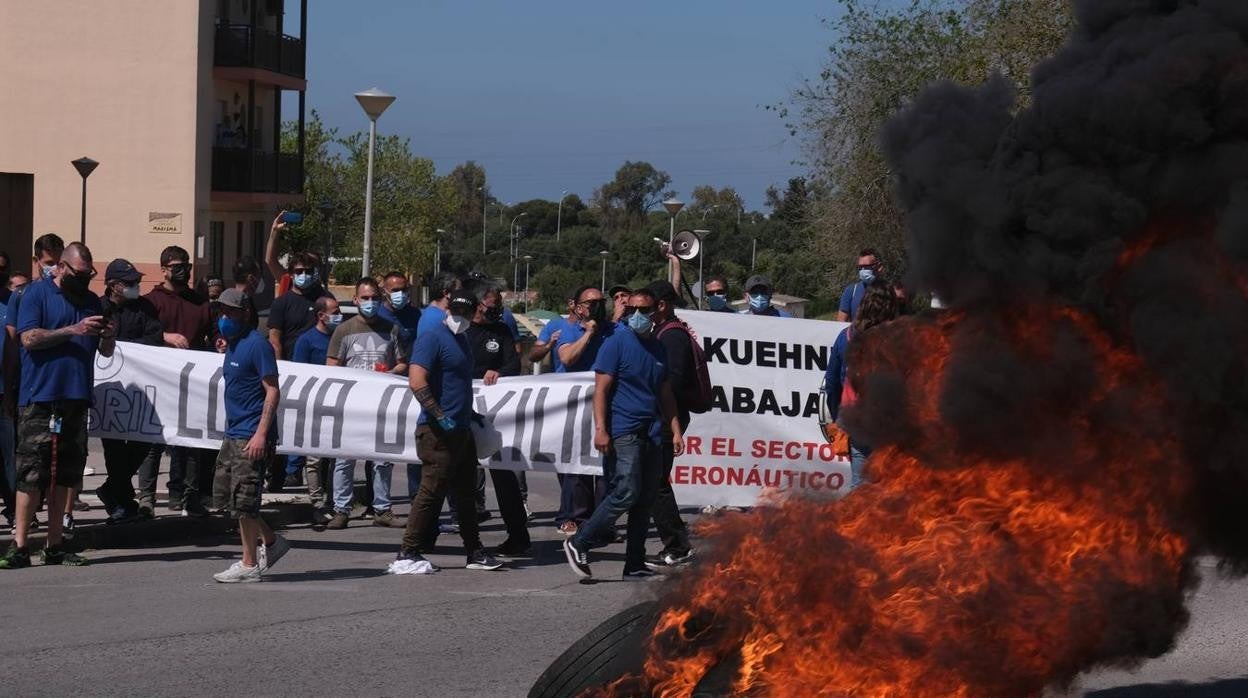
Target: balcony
[(245, 46), (241, 170)]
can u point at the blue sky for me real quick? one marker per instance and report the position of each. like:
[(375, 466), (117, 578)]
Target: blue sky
[(554, 95)]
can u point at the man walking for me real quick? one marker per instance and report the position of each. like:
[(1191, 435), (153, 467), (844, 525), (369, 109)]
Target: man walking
[(136, 322), (631, 396), (251, 397), (61, 326), (441, 380)]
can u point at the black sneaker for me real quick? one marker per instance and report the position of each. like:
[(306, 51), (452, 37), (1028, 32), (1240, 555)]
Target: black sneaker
[(57, 555), (484, 515), (195, 508), (667, 559), (479, 560), (175, 505), (15, 558), (510, 548), (146, 512), (641, 574), (578, 560)]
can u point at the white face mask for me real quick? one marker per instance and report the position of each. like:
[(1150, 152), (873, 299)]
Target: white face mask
[(130, 292), (456, 323)]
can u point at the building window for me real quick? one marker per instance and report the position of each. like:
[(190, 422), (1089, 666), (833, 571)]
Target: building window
[(216, 247), (238, 240)]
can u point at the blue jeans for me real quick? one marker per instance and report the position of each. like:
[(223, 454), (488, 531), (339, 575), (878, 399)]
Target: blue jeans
[(632, 470), (858, 455), (344, 485), (294, 464)]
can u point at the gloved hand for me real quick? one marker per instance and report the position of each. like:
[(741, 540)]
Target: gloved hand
[(447, 424)]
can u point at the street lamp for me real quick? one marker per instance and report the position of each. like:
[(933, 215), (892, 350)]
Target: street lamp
[(559, 219), (485, 204), (327, 213), (701, 256), (673, 207), (710, 208), (604, 254), (85, 167), (374, 102), (527, 259), (437, 260), (514, 242)]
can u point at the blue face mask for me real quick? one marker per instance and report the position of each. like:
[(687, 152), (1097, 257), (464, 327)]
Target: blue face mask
[(760, 302), (48, 271), (228, 327), (368, 308), (639, 323), (866, 276), (716, 302), (398, 299), (303, 281)]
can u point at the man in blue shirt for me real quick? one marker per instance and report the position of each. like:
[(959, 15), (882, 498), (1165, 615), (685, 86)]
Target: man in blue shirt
[(631, 395), (440, 377), (758, 298), (251, 397), (61, 326), (548, 338), (311, 348), (440, 290), (869, 271), (397, 308)]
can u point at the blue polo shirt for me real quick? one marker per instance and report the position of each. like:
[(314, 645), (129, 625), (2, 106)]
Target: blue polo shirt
[(248, 360), (639, 368), (851, 298), (544, 337), (65, 371), (407, 320), (572, 332), (311, 347), (448, 359), (510, 321), (431, 317)]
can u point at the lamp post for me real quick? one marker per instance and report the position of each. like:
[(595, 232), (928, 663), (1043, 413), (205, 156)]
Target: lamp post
[(710, 208), (437, 260), (604, 254), (514, 243), (374, 102), (85, 167), (527, 259), (485, 204), (327, 213), (701, 255), (559, 218), (673, 207), (753, 252)]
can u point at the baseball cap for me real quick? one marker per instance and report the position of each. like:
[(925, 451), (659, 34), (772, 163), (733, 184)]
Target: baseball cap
[(616, 289), (214, 281), (664, 291), (122, 270), (755, 281), (462, 301), (233, 298)]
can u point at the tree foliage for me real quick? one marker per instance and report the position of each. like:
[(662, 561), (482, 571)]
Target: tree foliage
[(637, 188)]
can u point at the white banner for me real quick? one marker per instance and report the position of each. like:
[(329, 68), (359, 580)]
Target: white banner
[(762, 434)]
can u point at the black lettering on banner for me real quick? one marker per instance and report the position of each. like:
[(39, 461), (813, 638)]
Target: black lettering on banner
[(184, 398), (569, 424), (766, 354), (397, 446), (215, 386), (516, 454), (539, 412), (288, 401), (149, 421), (589, 454), (116, 405), (790, 355), (335, 412), (743, 401), (491, 413), (742, 351), (714, 350)]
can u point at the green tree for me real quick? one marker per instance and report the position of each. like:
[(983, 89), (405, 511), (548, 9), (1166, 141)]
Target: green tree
[(637, 188)]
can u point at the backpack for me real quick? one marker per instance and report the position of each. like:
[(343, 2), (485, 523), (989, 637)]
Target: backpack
[(696, 394)]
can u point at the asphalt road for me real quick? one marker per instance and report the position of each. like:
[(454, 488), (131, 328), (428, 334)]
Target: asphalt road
[(328, 621)]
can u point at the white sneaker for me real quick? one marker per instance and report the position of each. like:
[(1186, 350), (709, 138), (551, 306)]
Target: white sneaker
[(268, 555), (238, 574)]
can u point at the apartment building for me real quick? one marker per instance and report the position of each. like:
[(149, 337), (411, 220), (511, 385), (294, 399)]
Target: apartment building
[(182, 103)]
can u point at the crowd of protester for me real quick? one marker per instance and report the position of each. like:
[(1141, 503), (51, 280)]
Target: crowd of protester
[(649, 377)]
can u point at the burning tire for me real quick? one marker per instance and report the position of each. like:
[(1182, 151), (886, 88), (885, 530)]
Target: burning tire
[(607, 652)]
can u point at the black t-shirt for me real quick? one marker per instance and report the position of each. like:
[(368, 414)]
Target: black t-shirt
[(680, 369), (292, 314), (137, 321), (493, 349)]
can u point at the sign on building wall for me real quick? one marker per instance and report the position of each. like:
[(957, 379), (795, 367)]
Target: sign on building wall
[(164, 223)]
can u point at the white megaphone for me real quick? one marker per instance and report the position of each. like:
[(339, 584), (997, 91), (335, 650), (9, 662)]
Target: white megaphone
[(686, 245)]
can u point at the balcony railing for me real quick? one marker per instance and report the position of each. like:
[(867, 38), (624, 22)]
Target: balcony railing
[(238, 169), (242, 45)]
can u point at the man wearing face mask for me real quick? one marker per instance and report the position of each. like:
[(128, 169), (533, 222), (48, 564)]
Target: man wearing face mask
[(294, 313), (632, 398), (870, 271), (136, 322), (717, 295), (397, 307), (368, 343), (312, 348), (440, 378), (186, 317), (61, 327), (758, 298)]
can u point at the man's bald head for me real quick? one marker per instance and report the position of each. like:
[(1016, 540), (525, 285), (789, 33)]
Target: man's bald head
[(75, 253)]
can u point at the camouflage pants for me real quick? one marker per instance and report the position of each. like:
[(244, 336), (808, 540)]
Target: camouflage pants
[(35, 441)]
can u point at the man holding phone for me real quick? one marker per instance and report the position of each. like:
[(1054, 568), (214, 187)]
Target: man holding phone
[(61, 326)]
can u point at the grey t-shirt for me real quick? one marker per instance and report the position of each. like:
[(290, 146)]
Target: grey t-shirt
[(376, 347)]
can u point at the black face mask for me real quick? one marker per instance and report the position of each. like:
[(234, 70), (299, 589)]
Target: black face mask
[(4, 278), (494, 313), (181, 273), (75, 284)]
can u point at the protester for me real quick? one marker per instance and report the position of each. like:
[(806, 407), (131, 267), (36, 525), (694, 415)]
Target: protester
[(213, 288), (631, 396), (61, 327), (294, 313), (312, 348), (758, 293), (869, 271), (397, 308), (135, 320), (368, 343), (493, 357), (618, 294), (17, 280), (879, 306), (441, 380), (717, 295), (281, 279), (681, 362), (251, 397), (432, 317), (582, 336), (186, 316), (548, 338), (248, 279)]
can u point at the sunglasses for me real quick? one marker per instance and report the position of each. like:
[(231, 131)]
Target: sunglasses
[(593, 302), (88, 274), (300, 270), (643, 309)]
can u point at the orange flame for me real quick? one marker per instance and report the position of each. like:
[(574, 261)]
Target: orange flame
[(951, 573)]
